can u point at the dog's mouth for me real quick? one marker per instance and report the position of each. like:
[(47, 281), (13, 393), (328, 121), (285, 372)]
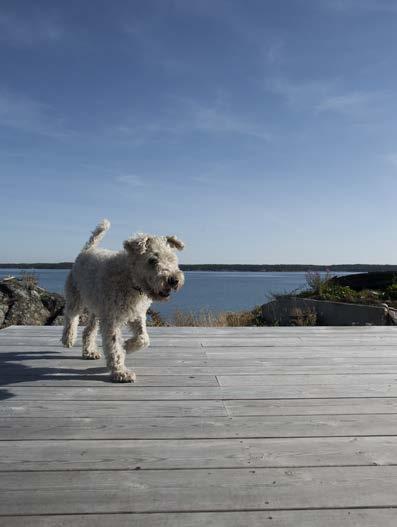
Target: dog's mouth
[(158, 295), (164, 294)]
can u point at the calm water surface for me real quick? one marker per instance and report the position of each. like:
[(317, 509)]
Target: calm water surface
[(203, 290)]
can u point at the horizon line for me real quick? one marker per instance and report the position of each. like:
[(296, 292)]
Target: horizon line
[(356, 264)]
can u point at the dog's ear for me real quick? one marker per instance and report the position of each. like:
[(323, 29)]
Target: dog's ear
[(175, 243), (137, 245)]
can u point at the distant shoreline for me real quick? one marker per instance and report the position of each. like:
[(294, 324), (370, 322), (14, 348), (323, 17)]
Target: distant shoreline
[(270, 268)]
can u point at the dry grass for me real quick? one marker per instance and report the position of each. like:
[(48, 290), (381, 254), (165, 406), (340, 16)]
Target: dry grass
[(29, 280), (206, 318), (155, 319), (223, 319), (303, 317)]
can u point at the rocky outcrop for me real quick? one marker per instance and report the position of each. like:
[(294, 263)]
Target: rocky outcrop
[(358, 282), (23, 302), (4, 306)]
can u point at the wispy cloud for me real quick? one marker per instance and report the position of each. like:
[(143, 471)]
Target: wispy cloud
[(29, 30), (217, 119), (348, 103), (321, 96), (215, 172), (24, 114), (391, 159), (145, 36), (274, 50), (300, 94), (357, 6), (231, 19), (130, 180), (203, 179), (214, 118)]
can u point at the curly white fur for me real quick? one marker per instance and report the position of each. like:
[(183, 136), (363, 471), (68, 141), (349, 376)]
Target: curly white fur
[(117, 288)]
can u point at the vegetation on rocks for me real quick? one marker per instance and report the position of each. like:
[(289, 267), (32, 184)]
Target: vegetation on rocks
[(334, 289)]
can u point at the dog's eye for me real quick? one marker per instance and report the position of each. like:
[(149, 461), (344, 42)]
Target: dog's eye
[(153, 261)]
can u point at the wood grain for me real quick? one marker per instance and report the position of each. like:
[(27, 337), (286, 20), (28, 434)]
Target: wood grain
[(224, 427)]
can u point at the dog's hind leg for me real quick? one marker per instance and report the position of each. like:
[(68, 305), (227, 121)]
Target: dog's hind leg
[(90, 350), (114, 353), (72, 311), (70, 326)]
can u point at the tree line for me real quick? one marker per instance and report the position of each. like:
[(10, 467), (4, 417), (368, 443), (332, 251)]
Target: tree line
[(270, 268)]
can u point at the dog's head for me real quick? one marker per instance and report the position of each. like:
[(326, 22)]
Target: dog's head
[(156, 267)]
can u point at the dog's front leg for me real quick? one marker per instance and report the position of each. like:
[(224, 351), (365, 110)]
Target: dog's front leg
[(140, 339), (114, 353)]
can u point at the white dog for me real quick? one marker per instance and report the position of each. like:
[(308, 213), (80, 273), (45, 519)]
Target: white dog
[(117, 288)]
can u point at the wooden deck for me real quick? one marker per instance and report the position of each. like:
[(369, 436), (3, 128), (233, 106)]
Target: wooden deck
[(280, 427)]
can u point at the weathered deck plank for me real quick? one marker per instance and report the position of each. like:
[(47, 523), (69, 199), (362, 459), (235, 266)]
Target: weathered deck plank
[(171, 391), (197, 453), (97, 428), (275, 518), (207, 408), (234, 426), (306, 379), (145, 367), (198, 490)]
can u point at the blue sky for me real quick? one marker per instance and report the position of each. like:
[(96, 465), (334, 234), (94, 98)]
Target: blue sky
[(258, 131)]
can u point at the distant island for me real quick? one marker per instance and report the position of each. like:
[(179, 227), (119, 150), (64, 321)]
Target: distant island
[(269, 268)]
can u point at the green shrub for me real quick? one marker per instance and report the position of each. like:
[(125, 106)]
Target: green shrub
[(338, 293), (322, 288), (316, 282), (391, 292)]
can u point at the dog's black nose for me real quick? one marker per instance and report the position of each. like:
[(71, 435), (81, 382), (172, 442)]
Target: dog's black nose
[(172, 281)]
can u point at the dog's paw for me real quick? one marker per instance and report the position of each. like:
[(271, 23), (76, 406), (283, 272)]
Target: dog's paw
[(136, 343), (123, 376), (91, 355)]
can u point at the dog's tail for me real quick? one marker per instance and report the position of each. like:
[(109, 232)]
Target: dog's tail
[(97, 234)]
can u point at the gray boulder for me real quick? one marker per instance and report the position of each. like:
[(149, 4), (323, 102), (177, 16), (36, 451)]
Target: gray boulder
[(4, 306), (22, 302)]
